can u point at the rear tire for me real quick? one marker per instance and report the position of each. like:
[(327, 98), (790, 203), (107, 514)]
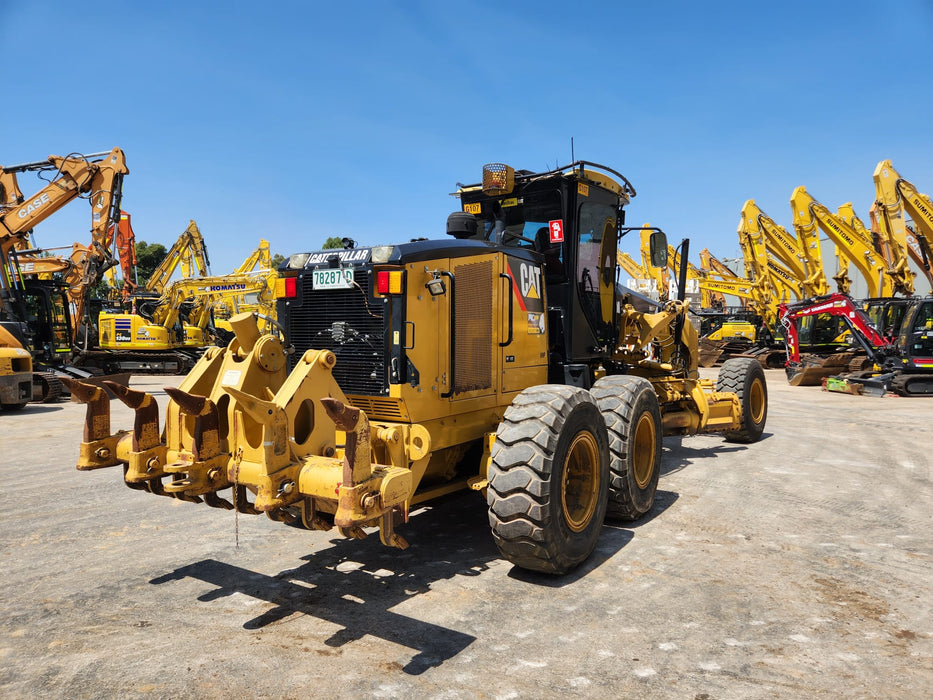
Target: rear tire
[(548, 479), (629, 406), (746, 379)]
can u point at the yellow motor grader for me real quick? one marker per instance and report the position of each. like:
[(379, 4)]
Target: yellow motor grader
[(505, 359)]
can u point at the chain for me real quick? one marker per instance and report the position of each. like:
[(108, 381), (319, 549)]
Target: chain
[(237, 456)]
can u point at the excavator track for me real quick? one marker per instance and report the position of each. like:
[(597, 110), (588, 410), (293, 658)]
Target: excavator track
[(46, 387), (905, 384), (141, 362)]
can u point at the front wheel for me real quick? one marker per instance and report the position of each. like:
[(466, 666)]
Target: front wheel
[(745, 378), (548, 479)]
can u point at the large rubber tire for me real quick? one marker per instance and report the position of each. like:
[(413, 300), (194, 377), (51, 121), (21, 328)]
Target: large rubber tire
[(629, 406), (549, 479), (745, 378)]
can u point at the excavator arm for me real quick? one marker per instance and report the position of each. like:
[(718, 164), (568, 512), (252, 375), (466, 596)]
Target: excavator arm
[(189, 251), (711, 267), (125, 245), (785, 247), (708, 299), (262, 258), (893, 196), (206, 292), (776, 280), (628, 263), (891, 251), (811, 216)]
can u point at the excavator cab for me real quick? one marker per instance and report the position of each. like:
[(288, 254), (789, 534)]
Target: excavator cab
[(917, 334)]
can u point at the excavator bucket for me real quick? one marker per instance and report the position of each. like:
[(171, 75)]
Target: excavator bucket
[(811, 369), (710, 352)]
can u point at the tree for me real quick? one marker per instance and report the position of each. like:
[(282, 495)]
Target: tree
[(277, 260), (332, 242), (148, 258)]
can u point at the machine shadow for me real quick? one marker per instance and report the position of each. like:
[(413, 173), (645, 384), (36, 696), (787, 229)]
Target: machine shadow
[(355, 584), (677, 453), (33, 408), (614, 536)]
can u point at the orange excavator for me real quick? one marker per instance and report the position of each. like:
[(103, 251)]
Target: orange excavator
[(45, 314), (98, 177), (121, 237)]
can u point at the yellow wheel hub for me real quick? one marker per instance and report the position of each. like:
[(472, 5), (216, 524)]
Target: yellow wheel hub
[(643, 450), (756, 401), (580, 483)]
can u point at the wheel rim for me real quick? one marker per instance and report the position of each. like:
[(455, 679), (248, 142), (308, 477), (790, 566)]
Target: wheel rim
[(756, 401), (580, 483), (643, 450)]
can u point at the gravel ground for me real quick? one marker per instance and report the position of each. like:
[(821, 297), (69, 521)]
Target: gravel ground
[(799, 566)]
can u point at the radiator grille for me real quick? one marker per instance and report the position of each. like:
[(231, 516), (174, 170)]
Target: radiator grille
[(381, 409), (340, 320), (473, 327)]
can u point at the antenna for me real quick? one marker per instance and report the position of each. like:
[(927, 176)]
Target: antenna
[(572, 158)]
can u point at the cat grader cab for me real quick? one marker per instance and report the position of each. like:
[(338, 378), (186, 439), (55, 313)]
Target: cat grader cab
[(506, 360)]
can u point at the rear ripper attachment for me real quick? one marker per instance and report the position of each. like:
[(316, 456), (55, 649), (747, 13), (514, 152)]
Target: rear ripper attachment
[(287, 445)]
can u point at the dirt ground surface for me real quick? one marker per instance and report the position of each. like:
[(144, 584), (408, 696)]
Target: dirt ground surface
[(799, 566)]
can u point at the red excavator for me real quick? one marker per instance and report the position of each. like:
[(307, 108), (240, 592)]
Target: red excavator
[(901, 358)]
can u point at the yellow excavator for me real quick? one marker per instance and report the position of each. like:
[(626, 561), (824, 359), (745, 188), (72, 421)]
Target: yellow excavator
[(182, 319), (786, 249), (895, 196), (188, 255), (260, 301), (810, 215), (708, 299), (140, 341)]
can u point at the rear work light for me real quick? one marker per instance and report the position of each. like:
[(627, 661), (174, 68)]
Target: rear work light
[(389, 282), (286, 288)]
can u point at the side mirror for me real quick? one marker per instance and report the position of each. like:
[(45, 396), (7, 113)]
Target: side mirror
[(658, 247)]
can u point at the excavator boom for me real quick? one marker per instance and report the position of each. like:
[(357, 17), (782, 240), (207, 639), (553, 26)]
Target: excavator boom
[(811, 216), (895, 195)]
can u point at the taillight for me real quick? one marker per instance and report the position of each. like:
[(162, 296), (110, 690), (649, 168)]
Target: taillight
[(286, 288), (389, 282)]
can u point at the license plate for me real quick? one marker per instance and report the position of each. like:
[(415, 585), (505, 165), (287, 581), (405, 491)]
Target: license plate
[(332, 278)]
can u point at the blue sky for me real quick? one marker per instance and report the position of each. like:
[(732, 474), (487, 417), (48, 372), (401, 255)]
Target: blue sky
[(295, 121)]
